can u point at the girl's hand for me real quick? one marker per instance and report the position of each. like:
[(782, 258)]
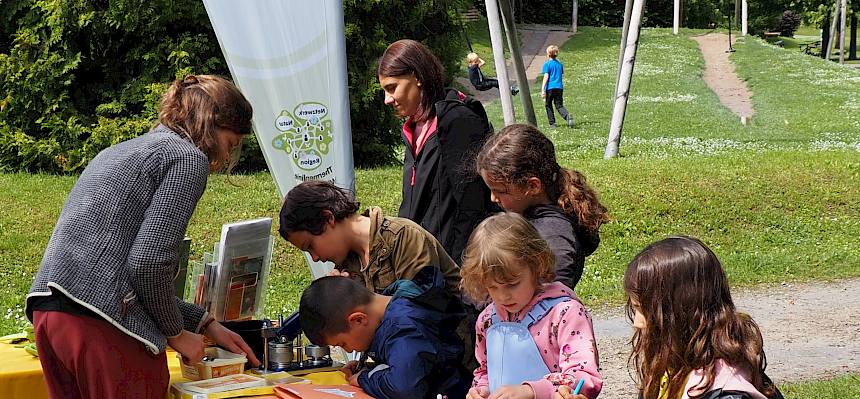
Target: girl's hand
[(514, 392), (189, 345), (230, 341), (480, 392), (564, 392)]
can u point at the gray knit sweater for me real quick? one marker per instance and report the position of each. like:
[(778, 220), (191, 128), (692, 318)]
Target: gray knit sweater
[(115, 247)]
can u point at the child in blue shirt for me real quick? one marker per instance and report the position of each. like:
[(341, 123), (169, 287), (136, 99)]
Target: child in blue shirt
[(552, 89), (409, 332)]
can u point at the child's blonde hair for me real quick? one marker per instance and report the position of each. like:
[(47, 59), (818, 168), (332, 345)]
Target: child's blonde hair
[(552, 51), (472, 58), (499, 250)]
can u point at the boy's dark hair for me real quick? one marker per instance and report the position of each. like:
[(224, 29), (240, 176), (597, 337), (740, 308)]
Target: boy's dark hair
[(405, 57), (326, 304), (304, 205)]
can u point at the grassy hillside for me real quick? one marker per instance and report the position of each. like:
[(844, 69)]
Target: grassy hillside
[(777, 201)]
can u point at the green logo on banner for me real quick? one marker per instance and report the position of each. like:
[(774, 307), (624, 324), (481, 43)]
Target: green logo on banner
[(306, 134)]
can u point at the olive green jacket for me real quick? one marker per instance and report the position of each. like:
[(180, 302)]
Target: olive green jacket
[(399, 248)]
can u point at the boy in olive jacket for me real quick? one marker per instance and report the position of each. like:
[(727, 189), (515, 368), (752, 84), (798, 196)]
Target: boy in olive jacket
[(322, 219)]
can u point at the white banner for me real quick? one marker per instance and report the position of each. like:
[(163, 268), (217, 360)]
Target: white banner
[(289, 59)]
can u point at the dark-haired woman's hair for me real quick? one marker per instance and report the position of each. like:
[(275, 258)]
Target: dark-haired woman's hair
[(409, 57), (519, 152), (680, 288), (197, 106), (307, 207)]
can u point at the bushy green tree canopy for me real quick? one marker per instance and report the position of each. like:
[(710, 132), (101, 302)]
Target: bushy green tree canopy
[(77, 76)]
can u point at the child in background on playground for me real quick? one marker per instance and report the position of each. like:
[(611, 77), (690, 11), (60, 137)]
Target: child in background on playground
[(519, 166), (690, 341), (479, 81), (322, 219), (552, 89), (535, 334)]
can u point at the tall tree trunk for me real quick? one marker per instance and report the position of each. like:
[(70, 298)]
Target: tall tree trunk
[(852, 47), (842, 11), (499, 60), (825, 33), (622, 91), (625, 26), (517, 58)]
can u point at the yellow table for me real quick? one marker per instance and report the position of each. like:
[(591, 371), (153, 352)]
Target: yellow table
[(21, 374)]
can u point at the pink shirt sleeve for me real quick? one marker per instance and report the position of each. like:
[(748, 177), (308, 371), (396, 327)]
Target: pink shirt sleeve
[(565, 338), (481, 327)]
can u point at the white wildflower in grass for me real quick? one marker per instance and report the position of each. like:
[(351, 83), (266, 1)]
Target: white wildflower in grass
[(669, 98), (645, 69), (836, 141), (851, 103)]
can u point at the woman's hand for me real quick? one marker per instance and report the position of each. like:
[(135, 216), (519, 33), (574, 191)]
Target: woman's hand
[(514, 392), (479, 392), (189, 345), (230, 341), (564, 392)]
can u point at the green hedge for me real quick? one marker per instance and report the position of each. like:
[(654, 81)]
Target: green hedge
[(79, 75)]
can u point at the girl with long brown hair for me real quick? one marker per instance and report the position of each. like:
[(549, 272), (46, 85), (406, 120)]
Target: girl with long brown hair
[(690, 340), (520, 168)]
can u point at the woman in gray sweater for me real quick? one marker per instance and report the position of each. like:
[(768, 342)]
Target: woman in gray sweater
[(102, 302)]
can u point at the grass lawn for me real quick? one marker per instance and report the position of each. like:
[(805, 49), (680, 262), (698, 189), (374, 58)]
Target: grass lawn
[(777, 200), (847, 386)]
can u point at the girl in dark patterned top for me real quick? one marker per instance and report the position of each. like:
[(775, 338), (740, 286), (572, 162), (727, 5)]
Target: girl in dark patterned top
[(519, 166), (102, 303)]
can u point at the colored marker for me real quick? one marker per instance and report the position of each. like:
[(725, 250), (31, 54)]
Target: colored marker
[(579, 386)]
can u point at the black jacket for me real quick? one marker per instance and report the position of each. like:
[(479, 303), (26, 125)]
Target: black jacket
[(441, 190), (569, 241)]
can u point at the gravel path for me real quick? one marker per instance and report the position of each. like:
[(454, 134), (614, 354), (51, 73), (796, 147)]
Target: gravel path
[(720, 75)]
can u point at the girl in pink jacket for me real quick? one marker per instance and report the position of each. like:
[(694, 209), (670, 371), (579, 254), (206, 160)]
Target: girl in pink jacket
[(535, 335), (690, 340)]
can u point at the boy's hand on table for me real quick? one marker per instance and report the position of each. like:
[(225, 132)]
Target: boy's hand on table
[(479, 392), (349, 368), (564, 392), (514, 392)]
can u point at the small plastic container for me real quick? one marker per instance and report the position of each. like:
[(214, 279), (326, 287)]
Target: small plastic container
[(223, 363)]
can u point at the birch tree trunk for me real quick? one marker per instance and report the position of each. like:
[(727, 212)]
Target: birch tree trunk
[(623, 86), (499, 60)]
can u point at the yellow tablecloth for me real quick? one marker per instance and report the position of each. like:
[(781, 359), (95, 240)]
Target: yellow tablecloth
[(21, 374)]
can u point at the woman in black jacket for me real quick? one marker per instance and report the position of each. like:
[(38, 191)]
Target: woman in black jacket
[(443, 130)]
